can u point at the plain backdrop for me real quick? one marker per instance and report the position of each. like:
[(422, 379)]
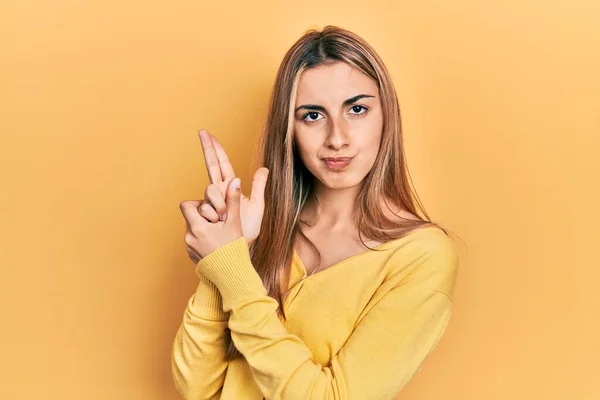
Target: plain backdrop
[(100, 104)]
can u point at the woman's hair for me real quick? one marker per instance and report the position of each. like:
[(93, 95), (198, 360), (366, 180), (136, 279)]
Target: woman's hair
[(290, 183)]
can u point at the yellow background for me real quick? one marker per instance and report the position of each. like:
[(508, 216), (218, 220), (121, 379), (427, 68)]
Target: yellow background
[(100, 107)]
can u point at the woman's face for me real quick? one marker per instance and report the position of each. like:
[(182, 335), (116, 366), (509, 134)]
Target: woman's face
[(337, 114)]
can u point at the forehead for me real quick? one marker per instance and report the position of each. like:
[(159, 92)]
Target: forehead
[(332, 84)]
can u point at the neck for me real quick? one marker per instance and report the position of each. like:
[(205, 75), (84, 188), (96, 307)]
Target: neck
[(334, 208)]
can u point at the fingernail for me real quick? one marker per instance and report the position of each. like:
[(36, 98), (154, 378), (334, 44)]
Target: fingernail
[(236, 183), (224, 217)]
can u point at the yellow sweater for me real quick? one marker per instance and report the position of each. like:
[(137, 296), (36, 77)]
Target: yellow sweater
[(359, 329)]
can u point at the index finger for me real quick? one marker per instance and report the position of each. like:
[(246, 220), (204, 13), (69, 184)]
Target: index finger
[(210, 157), (226, 167)]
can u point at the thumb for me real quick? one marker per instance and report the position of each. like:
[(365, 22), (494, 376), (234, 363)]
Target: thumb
[(258, 185), (233, 200)]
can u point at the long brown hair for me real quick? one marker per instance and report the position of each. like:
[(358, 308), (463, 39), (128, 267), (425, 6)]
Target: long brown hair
[(290, 183)]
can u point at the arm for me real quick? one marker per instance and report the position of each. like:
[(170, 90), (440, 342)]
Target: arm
[(198, 362), (385, 350)]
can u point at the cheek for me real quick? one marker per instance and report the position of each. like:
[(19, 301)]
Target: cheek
[(367, 128), (370, 146), (375, 124), (369, 153), (368, 134), (303, 150), (304, 144)]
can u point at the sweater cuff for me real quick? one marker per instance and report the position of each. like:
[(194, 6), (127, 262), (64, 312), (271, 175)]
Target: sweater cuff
[(206, 302), (230, 269)]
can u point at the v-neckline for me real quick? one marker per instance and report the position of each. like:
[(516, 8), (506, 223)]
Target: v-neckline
[(351, 258)]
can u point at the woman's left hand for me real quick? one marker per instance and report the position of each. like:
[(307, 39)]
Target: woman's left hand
[(202, 236)]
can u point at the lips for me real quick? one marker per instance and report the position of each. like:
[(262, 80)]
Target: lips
[(337, 159), (337, 163)]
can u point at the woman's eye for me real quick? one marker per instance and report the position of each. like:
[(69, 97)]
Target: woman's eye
[(311, 116), (358, 109)]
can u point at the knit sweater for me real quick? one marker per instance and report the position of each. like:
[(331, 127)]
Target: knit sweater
[(359, 329)]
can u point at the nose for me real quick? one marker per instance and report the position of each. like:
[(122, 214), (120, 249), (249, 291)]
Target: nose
[(337, 138)]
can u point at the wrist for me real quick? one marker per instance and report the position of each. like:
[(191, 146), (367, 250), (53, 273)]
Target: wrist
[(230, 269)]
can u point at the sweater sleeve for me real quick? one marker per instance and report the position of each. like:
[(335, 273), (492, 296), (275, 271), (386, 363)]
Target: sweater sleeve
[(384, 351), (198, 364)]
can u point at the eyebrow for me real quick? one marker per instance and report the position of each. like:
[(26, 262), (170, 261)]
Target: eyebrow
[(321, 108)]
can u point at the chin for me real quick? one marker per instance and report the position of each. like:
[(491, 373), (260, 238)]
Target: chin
[(342, 183)]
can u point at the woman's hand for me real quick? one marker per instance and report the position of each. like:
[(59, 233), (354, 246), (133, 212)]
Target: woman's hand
[(213, 207), (202, 236)]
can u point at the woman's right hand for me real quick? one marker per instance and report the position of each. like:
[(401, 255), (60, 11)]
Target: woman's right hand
[(220, 172)]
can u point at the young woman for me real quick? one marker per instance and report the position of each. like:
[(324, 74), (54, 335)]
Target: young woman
[(307, 309)]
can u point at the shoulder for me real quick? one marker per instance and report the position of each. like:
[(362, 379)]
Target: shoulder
[(433, 240), (424, 242), (425, 258)]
